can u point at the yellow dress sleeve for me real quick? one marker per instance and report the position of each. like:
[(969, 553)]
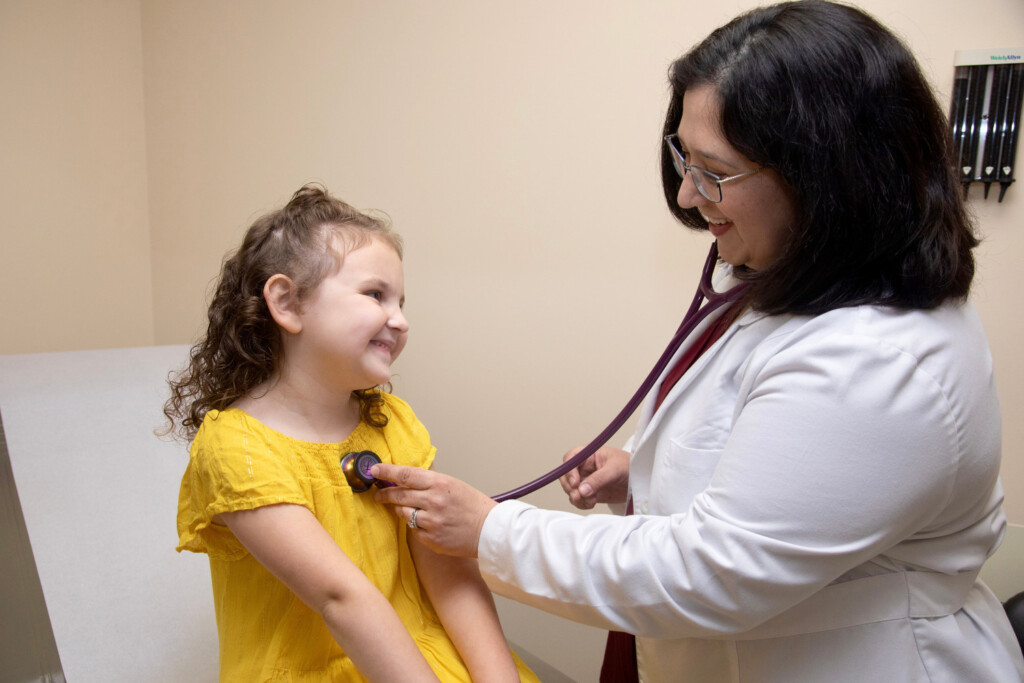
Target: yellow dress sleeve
[(232, 467)]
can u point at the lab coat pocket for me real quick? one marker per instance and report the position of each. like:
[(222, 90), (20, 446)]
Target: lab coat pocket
[(679, 475)]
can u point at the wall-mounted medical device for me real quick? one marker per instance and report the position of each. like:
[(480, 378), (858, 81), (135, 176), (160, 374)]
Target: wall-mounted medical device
[(988, 88)]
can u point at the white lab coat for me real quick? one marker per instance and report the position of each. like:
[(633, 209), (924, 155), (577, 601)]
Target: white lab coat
[(813, 502)]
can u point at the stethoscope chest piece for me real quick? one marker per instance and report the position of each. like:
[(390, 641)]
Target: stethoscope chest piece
[(356, 467)]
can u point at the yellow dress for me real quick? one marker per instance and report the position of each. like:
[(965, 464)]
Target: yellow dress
[(266, 633)]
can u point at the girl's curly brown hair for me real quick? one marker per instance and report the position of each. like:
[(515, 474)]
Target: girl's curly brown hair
[(306, 241)]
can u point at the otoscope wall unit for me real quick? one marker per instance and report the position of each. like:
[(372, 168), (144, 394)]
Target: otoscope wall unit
[(988, 88)]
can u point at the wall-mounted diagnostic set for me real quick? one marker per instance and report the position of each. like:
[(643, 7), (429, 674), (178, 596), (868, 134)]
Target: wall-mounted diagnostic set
[(988, 88)]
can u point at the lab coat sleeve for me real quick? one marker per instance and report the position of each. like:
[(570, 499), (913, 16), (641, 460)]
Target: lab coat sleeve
[(574, 581), (840, 450)]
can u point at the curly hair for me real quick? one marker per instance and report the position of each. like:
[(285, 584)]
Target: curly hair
[(837, 105), (306, 240)]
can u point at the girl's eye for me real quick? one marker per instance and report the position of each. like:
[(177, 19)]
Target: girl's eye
[(375, 294)]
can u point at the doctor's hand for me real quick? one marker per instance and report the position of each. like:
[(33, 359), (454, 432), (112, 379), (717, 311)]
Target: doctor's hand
[(602, 478), (449, 512)]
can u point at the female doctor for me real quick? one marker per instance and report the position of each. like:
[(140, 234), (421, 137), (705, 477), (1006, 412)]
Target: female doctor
[(813, 484)]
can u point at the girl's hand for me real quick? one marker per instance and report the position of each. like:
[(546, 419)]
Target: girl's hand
[(450, 514), (602, 478)]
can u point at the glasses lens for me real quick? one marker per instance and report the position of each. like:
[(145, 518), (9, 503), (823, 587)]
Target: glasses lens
[(677, 159), (706, 185)]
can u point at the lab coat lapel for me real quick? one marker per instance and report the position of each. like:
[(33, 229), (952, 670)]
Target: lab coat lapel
[(649, 421)]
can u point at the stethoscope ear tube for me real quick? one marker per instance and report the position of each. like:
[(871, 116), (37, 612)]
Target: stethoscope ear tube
[(693, 317)]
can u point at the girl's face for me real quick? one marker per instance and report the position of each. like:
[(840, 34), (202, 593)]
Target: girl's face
[(353, 327), (753, 221)]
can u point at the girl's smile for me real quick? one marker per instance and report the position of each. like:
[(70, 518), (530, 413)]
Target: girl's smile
[(352, 325)]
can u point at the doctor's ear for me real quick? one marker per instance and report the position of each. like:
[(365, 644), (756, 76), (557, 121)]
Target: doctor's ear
[(282, 297)]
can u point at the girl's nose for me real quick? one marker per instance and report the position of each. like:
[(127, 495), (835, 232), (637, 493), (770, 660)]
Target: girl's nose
[(397, 321)]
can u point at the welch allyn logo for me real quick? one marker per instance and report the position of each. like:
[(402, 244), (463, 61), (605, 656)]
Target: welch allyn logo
[(1005, 58)]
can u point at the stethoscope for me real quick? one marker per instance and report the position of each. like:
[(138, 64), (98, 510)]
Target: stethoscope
[(356, 466)]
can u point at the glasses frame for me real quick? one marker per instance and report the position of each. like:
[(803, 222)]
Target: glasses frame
[(681, 167)]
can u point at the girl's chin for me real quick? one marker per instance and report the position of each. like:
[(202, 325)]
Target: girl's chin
[(381, 377)]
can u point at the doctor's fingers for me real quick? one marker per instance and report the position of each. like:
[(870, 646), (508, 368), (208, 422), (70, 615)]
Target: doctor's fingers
[(582, 497), (425, 489), (448, 519), (571, 479), (403, 498), (609, 483), (574, 476), (443, 539), (402, 475)]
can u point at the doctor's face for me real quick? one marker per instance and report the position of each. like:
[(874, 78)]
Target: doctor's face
[(753, 221)]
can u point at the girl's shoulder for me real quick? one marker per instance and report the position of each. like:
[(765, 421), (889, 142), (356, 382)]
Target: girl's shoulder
[(234, 423), (397, 406), (231, 432), (234, 464), (218, 423), (397, 410), (403, 423), (227, 424)]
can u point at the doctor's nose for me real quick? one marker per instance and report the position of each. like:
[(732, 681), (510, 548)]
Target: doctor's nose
[(689, 196)]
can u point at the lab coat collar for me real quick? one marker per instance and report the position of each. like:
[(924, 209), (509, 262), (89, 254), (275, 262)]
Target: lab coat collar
[(649, 420)]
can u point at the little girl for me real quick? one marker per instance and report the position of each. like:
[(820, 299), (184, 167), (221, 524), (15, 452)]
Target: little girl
[(313, 580)]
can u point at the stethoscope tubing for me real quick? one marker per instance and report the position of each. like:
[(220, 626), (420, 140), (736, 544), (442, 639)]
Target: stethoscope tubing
[(694, 316)]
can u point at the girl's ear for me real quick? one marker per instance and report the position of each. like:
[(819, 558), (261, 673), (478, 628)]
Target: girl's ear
[(282, 297)]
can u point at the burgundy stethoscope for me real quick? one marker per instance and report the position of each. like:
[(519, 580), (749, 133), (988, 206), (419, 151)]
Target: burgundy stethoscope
[(356, 466)]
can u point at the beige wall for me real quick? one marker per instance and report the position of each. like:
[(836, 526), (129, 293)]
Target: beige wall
[(514, 144), (74, 234)]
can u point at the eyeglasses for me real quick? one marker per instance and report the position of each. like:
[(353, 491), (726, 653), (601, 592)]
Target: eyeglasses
[(707, 183)]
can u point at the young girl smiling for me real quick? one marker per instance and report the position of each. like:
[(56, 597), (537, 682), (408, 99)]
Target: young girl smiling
[(312, 580)]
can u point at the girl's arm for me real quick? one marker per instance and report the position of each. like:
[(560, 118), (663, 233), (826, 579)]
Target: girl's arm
[(293, 546), (466, 608)]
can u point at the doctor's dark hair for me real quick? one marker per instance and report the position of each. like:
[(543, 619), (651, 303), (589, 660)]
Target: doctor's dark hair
[(836, 104), (307, 240)]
